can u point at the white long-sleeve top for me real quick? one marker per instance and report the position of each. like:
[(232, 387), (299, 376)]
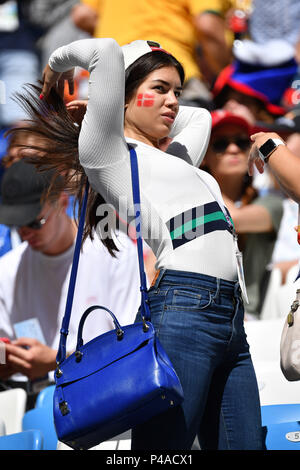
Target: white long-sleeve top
[(181, 205)]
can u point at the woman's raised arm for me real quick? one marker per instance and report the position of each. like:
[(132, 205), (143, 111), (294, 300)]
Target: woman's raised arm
[(101, 140), (190, 134)]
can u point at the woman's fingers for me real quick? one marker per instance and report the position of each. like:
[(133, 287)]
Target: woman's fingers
[(77, 109), (52, 79), (71, 85)]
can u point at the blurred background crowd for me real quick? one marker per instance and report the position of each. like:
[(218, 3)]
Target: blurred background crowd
[(242, 63)]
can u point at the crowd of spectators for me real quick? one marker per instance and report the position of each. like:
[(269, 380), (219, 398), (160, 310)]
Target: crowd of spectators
[(242, 62)]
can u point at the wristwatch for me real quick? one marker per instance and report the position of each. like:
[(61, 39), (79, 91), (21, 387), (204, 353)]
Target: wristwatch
[(268, 148)]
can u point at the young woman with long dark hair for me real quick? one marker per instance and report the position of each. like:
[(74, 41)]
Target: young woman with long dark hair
[(195, 301)]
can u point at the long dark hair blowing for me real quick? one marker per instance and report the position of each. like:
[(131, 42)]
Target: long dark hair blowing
[(55, 135)]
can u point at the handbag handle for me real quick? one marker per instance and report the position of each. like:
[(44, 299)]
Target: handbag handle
[(61, 353), (119, 331)]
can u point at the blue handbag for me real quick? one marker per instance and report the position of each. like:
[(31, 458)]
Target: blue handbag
[(118, 379)]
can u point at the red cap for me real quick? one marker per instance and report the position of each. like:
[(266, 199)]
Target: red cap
[(220, 116)]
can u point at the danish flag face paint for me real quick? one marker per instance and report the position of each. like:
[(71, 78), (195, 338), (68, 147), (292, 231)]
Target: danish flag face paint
[(145, 100)]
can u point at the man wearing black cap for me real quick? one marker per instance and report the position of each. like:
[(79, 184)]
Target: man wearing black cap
[(34, 276)]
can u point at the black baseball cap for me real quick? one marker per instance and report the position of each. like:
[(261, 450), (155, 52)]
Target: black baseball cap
[(22, 188)]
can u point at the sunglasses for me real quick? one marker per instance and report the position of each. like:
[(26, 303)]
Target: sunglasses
[(37, 223), (220, 145)]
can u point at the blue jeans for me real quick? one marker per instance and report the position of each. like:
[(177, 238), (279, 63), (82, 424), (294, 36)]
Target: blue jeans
[(199, 321)]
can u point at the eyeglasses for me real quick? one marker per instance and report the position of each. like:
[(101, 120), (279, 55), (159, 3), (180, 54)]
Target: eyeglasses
[(221, 144)]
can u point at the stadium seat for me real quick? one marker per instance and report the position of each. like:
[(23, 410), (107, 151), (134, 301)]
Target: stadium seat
[(284, 413), (41, 418), (12, 409), (2, 428), (45, 397), (282, 436), (26, 440)]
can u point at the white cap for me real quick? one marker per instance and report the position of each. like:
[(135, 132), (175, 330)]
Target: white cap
[(136, 49)]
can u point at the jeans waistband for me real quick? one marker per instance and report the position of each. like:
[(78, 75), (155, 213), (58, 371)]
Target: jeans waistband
[(170, 276)]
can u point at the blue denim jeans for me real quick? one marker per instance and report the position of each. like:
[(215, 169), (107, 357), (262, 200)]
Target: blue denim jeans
[(199, 321)]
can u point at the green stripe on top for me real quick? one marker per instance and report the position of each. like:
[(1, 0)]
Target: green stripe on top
[(192, 224)]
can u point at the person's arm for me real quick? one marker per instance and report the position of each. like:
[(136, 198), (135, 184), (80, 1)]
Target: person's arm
[(190, 134), (211, 34), (297, 51), (101, 141), (282, 162), (85, 17), (253, 218)]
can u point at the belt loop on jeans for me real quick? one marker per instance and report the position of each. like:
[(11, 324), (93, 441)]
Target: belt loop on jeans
[(157, 278), (218, 282), (237, 290)]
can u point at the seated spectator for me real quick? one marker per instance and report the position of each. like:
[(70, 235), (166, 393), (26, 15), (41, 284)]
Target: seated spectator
[(243, 87), (34, 277), (9, 237), (256, 219)]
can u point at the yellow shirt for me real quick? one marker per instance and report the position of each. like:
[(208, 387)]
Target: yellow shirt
[(169, 22)]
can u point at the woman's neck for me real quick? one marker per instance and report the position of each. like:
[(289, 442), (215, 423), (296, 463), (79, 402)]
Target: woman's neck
[(137, 135)]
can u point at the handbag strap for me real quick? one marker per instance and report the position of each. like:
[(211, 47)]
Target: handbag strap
[(61, 354), (145, 310)]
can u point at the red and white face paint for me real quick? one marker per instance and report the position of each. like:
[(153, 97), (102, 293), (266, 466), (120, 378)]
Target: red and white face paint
[(151, 112), (145, 100)]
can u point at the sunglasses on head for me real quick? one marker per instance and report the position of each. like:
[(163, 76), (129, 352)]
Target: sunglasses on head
[(221, 144)]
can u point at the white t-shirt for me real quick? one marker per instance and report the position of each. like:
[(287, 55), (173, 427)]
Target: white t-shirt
[(33, 285), (181, 206), (286, 246)]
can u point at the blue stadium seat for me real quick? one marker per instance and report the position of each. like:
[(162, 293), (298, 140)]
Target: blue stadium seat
[(45, 397), (283, 436), (25, 440), (275, 414), (41, 418), (281, 426)]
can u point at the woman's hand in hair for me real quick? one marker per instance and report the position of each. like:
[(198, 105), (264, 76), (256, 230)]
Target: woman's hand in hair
[(77, 109), (52, 79)]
